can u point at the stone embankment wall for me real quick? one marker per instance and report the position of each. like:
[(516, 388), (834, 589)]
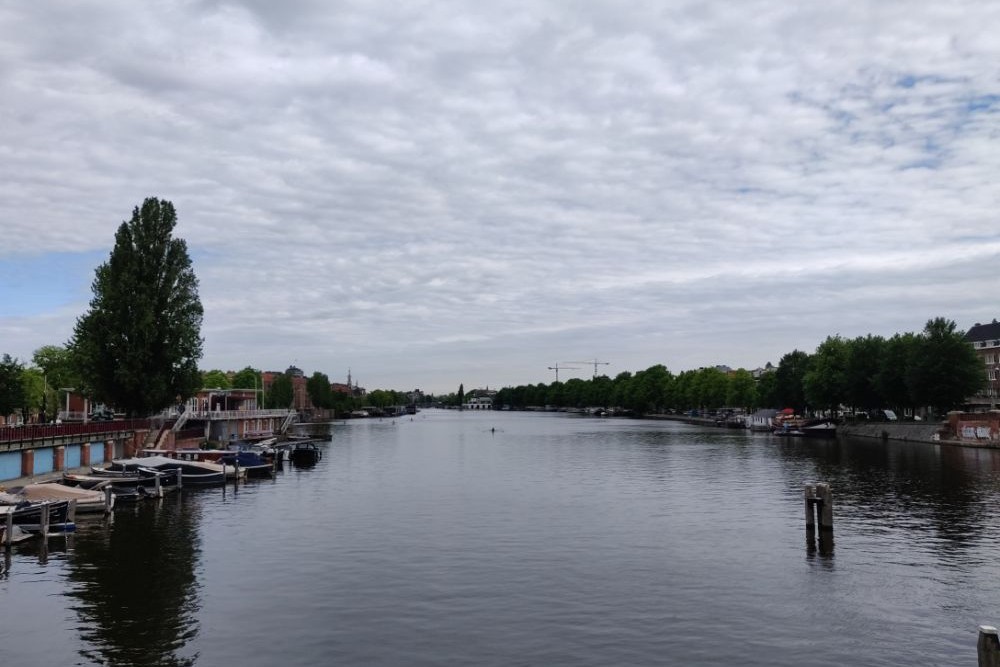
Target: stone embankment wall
[(910, 431), (966, 429)]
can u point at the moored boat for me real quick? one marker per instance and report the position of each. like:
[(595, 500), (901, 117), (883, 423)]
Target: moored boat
[(819, 428), (87, 500), (193, 473), (305, 454), (30, 516)]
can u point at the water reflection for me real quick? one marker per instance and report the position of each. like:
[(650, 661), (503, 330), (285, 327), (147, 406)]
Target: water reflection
[(819, 547), (134, 585), (939, 495)]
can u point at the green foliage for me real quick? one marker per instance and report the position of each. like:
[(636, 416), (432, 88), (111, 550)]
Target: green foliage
[(767, 390), (248, 378), (35, 400), (790, 380), (742, 391), (57, 365), (863, 364), (11, 385), (380, 398), (461, 395), (891, 375), (138, 345), (214, 379), (280, 394), (711, 386), (944, 369), (825, 380), (937, 367), (318, 388)]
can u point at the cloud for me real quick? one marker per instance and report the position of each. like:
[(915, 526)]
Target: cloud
[(417, 190)]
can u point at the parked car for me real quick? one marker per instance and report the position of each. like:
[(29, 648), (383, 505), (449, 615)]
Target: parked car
[(101, 415)]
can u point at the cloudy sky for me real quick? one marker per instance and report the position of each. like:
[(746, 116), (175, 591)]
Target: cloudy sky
[(435, 192)]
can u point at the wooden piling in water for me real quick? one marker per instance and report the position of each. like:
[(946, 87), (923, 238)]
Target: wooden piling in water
[(157, 489), (44, 519), (818, 505), (109, 499), (180, 479), (988, 647), (8, 535), (809, 495)]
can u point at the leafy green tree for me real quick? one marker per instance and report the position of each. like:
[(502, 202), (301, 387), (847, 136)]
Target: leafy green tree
[(864, 356), (767, 390), (138, 345), (555, 395), (944, 370), (620, 390), (247, 378), (646, 389), (790, 380), (318, 387), (825, 380), (891, 377), (460, 398), (742, 390), (11, 385), (214, 379), (35, 400), (685, 391), (575, 392), (380, 398), (712, 387), (56, 364), (280, 394)]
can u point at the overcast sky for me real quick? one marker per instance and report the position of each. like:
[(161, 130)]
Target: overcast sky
[(432, 193)]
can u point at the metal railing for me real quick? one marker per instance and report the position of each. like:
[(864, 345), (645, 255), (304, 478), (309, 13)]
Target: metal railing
[(236, 414), (31, 432)]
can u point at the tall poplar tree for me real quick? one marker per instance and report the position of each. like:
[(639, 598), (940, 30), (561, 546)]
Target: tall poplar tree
[(138, 346)]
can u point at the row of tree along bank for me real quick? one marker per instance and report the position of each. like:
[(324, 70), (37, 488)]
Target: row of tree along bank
[(934, 369)]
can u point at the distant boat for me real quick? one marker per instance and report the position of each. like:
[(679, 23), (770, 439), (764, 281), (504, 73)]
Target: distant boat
[(819, 428), (807, 428)]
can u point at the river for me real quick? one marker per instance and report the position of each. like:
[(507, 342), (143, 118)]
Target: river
[(496, 538)]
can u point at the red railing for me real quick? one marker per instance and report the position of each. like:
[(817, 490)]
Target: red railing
[(30, 432)]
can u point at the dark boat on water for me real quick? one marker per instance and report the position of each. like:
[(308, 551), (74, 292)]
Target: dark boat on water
[(193, 473), (29, 515), (305, 454)]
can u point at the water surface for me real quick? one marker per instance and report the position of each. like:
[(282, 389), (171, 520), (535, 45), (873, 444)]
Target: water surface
[(494, 538)]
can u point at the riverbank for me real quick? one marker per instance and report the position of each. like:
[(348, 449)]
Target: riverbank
[(926, 432)]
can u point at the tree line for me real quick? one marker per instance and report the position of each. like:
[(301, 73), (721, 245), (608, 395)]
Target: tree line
[(933, 369)]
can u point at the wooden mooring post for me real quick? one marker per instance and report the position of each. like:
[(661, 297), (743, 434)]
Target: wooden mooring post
[(8, 535), (44, 519), (819, 506), (988, 646)]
